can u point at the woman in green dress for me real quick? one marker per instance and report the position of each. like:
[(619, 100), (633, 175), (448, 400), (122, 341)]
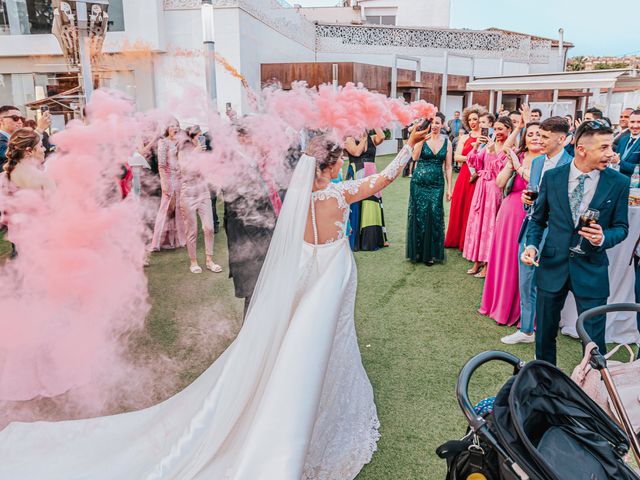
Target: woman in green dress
[(425, 225)]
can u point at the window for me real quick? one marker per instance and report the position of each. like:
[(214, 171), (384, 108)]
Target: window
[(23, 17), (381, 19), (4, 19)]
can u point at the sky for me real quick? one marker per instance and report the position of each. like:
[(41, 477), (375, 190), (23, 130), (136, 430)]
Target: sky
[(593, 26)]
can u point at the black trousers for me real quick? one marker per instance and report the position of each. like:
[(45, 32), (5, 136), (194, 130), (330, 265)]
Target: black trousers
[(216, 220), (548, 308)]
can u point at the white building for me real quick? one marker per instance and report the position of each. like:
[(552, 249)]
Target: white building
[(406, 13), (256, 34)]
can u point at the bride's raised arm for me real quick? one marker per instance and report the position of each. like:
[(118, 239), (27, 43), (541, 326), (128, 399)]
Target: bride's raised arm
[(356, 190)]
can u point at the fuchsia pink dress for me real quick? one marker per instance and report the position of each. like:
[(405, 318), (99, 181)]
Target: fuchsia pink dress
[(484, 206), (501, 295)]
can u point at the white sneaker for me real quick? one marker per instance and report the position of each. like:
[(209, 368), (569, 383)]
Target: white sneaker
[(518, 337)]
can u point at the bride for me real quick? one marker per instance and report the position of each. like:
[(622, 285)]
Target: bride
[(288, 400)]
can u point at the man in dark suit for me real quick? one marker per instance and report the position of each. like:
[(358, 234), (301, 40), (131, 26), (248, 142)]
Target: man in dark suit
[(628, 149), (565, 193)]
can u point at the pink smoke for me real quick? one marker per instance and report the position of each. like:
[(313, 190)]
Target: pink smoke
[(77, 293), (77, 286)]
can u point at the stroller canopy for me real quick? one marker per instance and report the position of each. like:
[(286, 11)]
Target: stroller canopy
[(551, 427)]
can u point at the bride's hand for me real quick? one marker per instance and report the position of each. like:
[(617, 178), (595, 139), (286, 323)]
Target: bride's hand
[(418, 136)]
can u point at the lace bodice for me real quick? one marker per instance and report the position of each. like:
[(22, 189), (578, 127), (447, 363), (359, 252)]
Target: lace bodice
[(330, 206)]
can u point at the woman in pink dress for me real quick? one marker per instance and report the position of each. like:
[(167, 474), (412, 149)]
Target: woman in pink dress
[(195, 201), (169, 230), (486, 197), (501, 295)]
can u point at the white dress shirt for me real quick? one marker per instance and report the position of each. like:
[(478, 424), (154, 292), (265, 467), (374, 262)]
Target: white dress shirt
[(550, 162), (590, 185)]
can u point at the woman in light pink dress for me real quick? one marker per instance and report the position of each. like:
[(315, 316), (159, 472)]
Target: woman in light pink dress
[(486, 197), (501, 295), (169, 230), (195, 201)]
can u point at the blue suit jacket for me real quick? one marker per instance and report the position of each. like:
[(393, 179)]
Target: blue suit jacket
[(534, 179), (4, 141), (629, 161), (589, 274)]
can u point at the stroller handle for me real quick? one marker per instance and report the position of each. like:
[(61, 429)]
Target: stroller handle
[(593, 312), (462, 388)]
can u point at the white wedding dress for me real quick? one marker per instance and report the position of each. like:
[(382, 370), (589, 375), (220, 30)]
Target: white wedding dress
[(288, 400)]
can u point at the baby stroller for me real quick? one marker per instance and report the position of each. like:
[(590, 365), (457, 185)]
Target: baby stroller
[(599, 363), (542, 427)]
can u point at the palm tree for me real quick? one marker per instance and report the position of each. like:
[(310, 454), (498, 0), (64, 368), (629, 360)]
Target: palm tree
[(577, 64)]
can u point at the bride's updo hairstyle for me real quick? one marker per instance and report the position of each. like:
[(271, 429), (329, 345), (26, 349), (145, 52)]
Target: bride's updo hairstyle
[(325, 151)]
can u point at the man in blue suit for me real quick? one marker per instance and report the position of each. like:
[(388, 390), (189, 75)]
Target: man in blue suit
[(565, 193), (553, 133), (628, 148)]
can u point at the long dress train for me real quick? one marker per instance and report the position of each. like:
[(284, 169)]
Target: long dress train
[(288, 400), (425, 222)]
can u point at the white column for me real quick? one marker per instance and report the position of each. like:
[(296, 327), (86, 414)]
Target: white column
[(445, 83), (498, 102), (472, 77), (609, 97), (17, 25), (491, 98), (84, 44), (394, 78), (555, 102), (583, 102)]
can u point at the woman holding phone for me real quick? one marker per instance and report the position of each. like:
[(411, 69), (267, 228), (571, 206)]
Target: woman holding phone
[(195, 201), (425, 224), (486, 197), (464, 188), (501, 294)]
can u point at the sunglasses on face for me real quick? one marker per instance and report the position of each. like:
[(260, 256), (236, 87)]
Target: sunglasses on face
[(15, 118)]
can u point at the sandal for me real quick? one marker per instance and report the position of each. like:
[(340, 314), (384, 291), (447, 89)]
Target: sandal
[(214, 267), (480, 275), (471, 271), (195, 269)]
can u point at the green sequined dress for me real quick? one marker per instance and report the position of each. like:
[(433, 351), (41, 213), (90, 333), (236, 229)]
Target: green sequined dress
[(425, 224)]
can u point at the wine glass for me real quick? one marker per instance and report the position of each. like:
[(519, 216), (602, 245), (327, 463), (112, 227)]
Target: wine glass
[(532, 191), (587, 218)]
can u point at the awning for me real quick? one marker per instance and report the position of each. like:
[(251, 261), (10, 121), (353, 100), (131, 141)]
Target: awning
[(620, 78), (59, 103)]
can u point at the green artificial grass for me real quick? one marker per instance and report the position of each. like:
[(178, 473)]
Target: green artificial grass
[(417, 326)]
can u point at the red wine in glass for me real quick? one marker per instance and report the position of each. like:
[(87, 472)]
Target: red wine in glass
[(532, 192), (587, 218)]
